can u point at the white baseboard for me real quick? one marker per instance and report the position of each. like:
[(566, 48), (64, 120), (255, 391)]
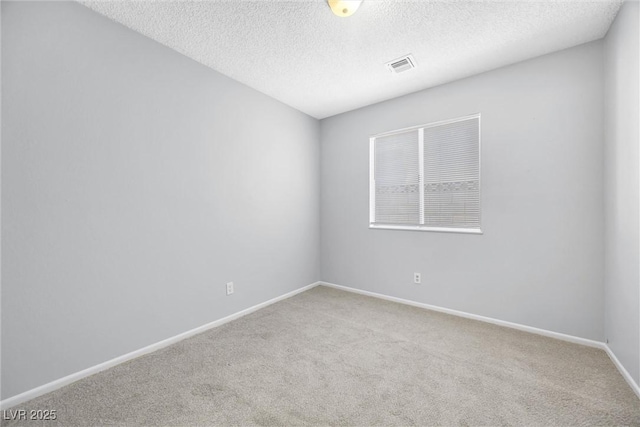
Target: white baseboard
[(564, 337), (54, 385), (546, 333), (625, 374)]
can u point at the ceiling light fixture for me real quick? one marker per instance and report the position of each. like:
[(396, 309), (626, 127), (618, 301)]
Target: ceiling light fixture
[(344, 8)]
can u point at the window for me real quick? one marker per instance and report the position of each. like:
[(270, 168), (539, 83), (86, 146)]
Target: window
[(427, 177)]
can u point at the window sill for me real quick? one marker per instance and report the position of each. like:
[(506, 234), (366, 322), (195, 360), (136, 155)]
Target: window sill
[(423, 228)]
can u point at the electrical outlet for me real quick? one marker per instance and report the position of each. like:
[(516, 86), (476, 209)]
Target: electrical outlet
[(416, 278), (229, 288)]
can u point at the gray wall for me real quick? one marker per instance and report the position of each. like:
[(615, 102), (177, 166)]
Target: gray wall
[(135, 183), (540, 259), (622, 241)]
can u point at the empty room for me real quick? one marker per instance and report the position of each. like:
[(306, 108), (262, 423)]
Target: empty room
[(320, 212)]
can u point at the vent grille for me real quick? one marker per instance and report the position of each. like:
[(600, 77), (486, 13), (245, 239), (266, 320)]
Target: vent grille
[(402, 64)]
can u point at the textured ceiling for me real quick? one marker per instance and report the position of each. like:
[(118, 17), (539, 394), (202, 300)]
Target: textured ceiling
[(301, 54)]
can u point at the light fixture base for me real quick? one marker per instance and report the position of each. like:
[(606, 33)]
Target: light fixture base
[(344, 8)]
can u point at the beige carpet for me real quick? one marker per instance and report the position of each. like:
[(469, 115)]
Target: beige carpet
[(327, 357)]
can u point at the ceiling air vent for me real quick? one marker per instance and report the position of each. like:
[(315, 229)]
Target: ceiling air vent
[(402, 64)]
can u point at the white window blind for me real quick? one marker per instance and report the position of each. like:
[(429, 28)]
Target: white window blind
[(397, 179), (427, 177)]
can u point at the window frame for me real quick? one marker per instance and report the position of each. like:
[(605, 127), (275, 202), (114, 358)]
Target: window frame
[(420, 129)]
